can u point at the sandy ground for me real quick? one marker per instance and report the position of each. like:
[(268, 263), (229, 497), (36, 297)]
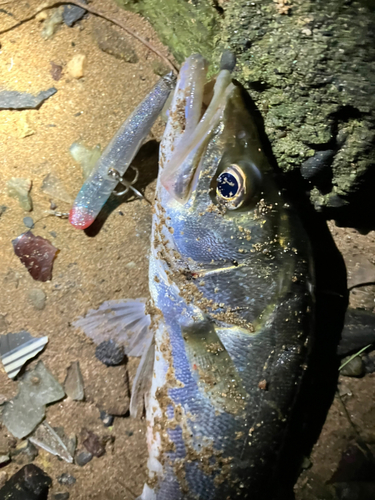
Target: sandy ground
[(109, 264)]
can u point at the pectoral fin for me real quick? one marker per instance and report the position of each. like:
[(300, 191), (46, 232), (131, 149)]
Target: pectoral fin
[(211, 365)]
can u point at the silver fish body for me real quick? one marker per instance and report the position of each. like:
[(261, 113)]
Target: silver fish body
[(231, 279)]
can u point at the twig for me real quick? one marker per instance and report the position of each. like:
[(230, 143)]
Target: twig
[(102, 15)]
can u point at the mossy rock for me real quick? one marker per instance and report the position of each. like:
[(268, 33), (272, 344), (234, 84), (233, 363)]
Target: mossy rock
[(310, 68)]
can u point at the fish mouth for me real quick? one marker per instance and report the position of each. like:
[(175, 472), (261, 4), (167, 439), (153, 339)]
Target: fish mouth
[(189, 126)]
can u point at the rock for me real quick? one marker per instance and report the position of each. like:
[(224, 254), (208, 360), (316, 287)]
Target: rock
[(28, 221), (20, 189), (3, 478), (318, 165), (73, 384), (109, 353), (38, 298), (54, 187), (113, 42), (4, 459), (24, 453), (56, 71), (355, 367), (106, 418), (36, 254), (83, 458), (93, 443), (24, 345), (66, 479), (61, 496), (76, 66), (73, 13), (52, 23), (25, 128), (36, 389), (11, 99), (29, 483)]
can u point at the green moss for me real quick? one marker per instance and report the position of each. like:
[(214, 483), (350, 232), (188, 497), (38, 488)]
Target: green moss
[(185, 26)]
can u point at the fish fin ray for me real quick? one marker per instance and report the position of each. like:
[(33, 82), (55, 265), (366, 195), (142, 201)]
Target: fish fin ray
[(124, 321), (142, 380)]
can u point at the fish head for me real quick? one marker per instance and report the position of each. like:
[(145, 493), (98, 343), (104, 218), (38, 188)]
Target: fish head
[(216, 183)]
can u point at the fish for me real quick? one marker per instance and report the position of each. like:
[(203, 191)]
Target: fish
[(230, 330)]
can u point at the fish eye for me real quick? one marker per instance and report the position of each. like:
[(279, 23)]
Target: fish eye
[(236, 185)]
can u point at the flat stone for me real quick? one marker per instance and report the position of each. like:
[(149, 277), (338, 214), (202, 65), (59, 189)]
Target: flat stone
[(38, 298), (37, 388), (83, 458), (73, 13), (76, 66), (28, 221), (12, 99), (73, 384)]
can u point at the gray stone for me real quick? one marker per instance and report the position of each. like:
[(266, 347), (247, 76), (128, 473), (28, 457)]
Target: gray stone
[(109, 353), (83, 458), (38, 298), (73, 384), (355, 367), (73, 13), (28, 221), (37, 388), (66, 479)]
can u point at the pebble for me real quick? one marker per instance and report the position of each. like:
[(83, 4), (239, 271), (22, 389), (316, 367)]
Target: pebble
[(109, 353), (355, 367), (73, 13), (37, 298), (66, 479), (83, 458), (113, 42), (76, 66), (106, 418), (93, 443), (61, 496), (73, 384), (28, 221)]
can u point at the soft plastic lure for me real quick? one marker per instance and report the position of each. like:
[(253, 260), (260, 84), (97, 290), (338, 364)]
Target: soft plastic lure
[(118, 155)]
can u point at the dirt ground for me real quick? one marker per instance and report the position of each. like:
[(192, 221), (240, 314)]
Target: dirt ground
[(110, 264)]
